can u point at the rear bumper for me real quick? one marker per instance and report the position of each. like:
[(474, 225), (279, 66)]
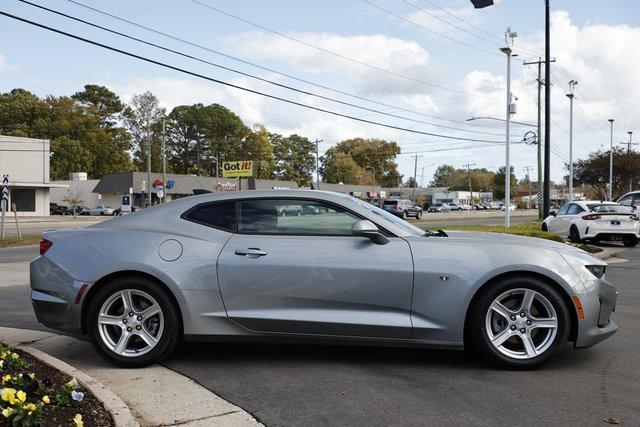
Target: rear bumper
[(610, 233), (597, 306), (53, 294)]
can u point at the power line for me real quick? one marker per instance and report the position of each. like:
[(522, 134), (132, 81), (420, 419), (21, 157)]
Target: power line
[(271, 70), (251, 75), (235, 86), (339, 55), (402, 18)]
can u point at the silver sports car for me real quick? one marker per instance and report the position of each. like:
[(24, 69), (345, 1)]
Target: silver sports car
[(229, 266)]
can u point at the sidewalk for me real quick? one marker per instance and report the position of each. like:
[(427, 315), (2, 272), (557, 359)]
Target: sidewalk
[(156, 395)]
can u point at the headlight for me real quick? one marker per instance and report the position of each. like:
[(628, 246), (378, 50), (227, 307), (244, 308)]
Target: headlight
[(596, 270)]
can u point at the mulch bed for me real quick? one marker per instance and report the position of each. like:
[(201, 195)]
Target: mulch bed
[(92, 411)]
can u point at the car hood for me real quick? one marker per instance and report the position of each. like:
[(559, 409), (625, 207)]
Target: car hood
[(511, 239)]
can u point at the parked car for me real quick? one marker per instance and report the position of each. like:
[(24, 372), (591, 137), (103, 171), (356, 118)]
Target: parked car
[(466, 207), (56, 209), (402, 208), (495, 205), (101, 210), (454, 207), (631, 199), (595, 221), (479, 207), (512, 207), (439, 207), (118, 212), (81, 210), (227, 265)]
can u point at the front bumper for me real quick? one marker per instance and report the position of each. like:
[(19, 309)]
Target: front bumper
[(597, 305), (53, 294)]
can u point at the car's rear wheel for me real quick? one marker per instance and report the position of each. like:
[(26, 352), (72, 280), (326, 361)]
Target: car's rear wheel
[(630, 241), (404, 215), (419, 215), (519, 323), (132, 322), (574, 234), (545, 227)]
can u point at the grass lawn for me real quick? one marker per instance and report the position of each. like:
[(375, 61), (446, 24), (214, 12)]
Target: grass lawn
[(32, 239), (531, 229)]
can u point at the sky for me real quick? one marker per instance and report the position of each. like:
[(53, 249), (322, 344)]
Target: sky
[(429, 64)]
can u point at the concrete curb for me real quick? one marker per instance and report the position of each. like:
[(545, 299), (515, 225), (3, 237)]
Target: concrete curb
[(608, 253), (120, 412)]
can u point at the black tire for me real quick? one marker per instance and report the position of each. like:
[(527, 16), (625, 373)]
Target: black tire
[(630, 241), (574, 234), (170, 335), (404, 215), (545, 227), (419, 215), (477, 335)]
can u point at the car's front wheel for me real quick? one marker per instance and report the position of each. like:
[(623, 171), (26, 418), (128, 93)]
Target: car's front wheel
[(419, 215), (519, 323), (132, 322), (630, 241)]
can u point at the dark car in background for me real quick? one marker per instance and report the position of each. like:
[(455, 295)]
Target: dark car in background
[(439, 207), (402, 208)]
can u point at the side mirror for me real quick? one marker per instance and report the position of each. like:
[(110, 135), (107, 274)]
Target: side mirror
[(365, 228), (553, 213)]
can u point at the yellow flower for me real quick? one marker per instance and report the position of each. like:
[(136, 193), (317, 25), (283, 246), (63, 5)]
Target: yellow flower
[(6, 378), (78, 420), (73, 383), (46, 399), (15, 356), (21, 395), (32, 375), (1, 363), (3, 355), (9, 395), (7, 412), (30, 407)]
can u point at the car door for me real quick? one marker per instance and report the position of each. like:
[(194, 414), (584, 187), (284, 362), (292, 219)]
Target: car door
[(309, 275), (559, 223)]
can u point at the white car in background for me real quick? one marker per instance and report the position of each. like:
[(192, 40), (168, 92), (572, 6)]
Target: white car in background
[(512, 207), (101, 210), (595, 221)]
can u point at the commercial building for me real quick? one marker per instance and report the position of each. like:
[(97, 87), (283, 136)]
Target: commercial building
[(26, 161), (462, 197)]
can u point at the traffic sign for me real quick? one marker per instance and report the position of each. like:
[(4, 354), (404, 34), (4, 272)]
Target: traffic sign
[(4, 203)]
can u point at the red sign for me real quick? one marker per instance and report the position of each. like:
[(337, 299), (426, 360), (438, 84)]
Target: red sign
[(157, 183)]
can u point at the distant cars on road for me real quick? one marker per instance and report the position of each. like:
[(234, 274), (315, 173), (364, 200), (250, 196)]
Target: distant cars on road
[(512, 207), (595, 221), (402, 208), (101, 210), (439, 207)]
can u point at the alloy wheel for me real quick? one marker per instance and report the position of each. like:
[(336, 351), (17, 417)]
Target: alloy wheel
[(521, 323), (130, 322)]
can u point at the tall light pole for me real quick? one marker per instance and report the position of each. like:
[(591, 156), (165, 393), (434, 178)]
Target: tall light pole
[(611, 164), (318, 164), (510, 107), (373, 180), (415, 174), (164, 162), (571, 97)]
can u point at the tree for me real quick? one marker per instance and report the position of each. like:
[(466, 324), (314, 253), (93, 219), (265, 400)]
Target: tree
[(101, 102), (594, 171), (293, 158), (341, 168), (376, 153), (72, 198), (143, 119), (257, 147), (411, 183), (69, 156), (498, 184), (445, 176), (20, 113)]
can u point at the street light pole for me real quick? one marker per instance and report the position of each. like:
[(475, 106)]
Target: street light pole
[(507, 170), (571, 97), (546, 192), (611, 164), (373, 181), (164, 162), (317, 165)]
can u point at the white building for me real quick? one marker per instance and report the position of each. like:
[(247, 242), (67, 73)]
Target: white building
[(462, 197), (26, 161)]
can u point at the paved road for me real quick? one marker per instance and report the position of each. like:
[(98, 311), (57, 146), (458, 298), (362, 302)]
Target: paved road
[(323, 385)]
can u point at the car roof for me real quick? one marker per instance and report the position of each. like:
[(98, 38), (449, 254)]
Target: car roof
[(592, 202)]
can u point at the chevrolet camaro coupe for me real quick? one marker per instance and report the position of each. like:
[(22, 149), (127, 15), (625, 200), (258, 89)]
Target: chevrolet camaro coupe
[(227, 266)]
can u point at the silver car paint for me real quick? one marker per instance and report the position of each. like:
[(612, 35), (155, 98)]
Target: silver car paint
[(330, 292)]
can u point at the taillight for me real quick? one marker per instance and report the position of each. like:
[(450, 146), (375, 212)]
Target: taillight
[(591, 217), (45, 245)]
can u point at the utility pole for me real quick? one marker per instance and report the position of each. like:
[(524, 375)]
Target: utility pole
[(468, 166), (318, 164), (611, 164), (546, 193), (539, 135), (164, 161), (629, 144), (571, 97), (422, 177), (149, 184), (527, 169), (510, 107), (415, 174)]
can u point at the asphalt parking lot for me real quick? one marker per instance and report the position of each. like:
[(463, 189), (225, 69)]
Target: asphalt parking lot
[(327, 385)]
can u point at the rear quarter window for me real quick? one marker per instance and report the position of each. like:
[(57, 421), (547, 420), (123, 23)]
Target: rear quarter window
[(217, 215)]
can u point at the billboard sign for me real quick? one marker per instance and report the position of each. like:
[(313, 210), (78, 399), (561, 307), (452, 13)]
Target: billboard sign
[(237, 169)]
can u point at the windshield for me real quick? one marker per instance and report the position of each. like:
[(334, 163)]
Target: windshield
[(411, 229), (609, 208), (390, 202)]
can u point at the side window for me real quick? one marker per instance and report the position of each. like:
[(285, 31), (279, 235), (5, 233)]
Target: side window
[(217, 215), (293, 217), (574, 209), (627, 200), (636, 200), (563, 210)]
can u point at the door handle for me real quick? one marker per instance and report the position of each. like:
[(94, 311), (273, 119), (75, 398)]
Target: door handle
[(251, 252)]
